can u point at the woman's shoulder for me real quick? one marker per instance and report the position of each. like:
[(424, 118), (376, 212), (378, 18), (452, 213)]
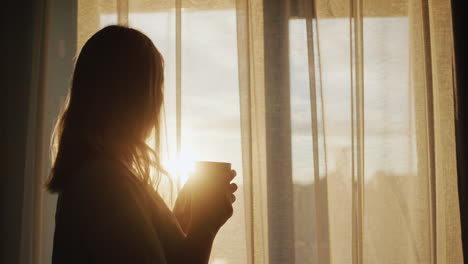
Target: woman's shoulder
[(106, 211), (100, 178), (103, 165), (103, 187), (101, 169)]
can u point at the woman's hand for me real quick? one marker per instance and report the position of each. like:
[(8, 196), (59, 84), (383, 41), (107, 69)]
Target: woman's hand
[(212, 202), (201, 209), (205, 205)]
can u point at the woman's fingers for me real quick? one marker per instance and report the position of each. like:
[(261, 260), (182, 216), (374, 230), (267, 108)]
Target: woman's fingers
[(231, 198), (232, 175), (232, 187), (230, 192)]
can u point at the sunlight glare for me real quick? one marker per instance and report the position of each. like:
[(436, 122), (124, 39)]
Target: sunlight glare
[(180, 167)]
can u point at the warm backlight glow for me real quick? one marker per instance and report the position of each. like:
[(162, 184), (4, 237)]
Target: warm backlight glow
[(179, 165)]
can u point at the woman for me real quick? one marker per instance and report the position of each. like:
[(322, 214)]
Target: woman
[(108, 210)]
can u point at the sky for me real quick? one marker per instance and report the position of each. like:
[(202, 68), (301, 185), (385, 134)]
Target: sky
[(210, 91)]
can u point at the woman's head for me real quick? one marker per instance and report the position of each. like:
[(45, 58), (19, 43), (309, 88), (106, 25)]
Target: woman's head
[(114, 104)]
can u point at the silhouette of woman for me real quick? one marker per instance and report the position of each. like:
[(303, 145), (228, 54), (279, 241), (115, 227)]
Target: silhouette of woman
[(108, 210)]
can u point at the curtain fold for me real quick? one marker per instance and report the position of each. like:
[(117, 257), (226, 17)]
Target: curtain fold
[(277, 94), (31, 222), (253, 128), (54, 46), (448, 229), (321, 251)]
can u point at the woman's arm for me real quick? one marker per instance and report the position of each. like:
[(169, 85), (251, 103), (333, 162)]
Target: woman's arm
[(198, 246), (200, 216), (195, 247)]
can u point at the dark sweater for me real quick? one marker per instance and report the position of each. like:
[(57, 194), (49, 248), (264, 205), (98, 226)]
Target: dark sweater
[(105, 215)]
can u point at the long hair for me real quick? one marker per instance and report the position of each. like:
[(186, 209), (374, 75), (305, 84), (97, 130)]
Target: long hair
[(113, 106)]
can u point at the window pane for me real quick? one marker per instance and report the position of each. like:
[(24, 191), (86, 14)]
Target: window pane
[(210, 102)]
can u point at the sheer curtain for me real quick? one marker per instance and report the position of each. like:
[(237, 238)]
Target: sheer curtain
[(348, 131), (337, 114)]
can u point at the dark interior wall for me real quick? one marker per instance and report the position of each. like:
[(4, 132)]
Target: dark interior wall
[(40, 40), (61, 50), (18, 38), (459, 25)]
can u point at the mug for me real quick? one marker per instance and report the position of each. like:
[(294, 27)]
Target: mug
[(212, 171)]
